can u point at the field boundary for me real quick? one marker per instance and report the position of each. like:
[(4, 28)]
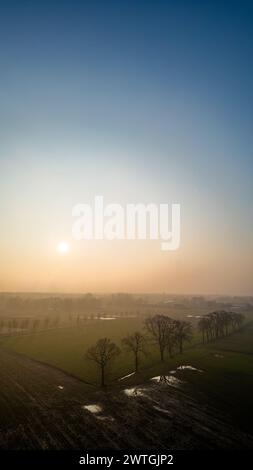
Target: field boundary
[(46, 364)]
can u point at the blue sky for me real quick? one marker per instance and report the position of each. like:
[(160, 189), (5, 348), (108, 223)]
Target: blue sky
[(138, 100)]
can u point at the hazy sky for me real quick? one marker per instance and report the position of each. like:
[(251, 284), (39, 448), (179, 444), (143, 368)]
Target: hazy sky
[(140, 101)]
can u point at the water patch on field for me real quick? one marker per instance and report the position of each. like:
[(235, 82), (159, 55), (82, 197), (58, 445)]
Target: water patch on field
[(167, 379), (134, 392), (60, 387), (106, 418), (193, 316), (126, 376), (220, 356), (93, 408), (162, 410), (188, 367), (102, 318)]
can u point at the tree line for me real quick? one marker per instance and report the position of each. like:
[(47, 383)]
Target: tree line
[(219, 324), (24, 325), (167, 334)]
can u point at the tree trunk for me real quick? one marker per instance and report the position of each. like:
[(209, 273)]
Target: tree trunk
[(136, 363), (161, 353), (102, 376)]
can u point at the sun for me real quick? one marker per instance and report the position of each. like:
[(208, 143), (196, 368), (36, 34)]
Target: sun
[(63, 247)]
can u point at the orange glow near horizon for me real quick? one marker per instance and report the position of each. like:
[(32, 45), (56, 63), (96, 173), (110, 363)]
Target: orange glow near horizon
[(125, 266)]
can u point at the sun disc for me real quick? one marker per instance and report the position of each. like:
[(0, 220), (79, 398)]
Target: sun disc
[(63, 247)]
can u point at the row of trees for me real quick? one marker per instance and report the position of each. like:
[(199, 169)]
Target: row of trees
[(23, 325), (65, 305), (39, 304), (219, 324), (168, 335)]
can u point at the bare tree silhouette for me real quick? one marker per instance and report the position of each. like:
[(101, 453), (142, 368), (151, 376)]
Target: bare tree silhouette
[(102, 354), (161, 329), (183, 332), (135, 343)]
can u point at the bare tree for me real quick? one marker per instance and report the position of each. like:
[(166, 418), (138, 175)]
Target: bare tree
[(202, 325), (159, 327), (183, 332), (135, 343), (102, 354), (171, 335)]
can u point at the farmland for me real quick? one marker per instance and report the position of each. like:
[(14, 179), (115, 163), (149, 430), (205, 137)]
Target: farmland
[(44, 408), (224, 383)]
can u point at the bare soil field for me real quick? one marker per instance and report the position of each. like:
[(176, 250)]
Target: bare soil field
[(44, 408)]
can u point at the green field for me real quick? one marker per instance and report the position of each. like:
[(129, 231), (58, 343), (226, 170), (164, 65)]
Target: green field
[(65, 347)]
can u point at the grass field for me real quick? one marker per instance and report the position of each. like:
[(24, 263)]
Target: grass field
[(65, 347)]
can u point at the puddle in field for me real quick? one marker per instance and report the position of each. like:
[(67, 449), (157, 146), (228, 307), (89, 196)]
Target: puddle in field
[(162, 410), (102, 318), (167, 379), (188, 367), (126, 376), (93, 408), (60, 387), (134, 392), (220, 356), (106, 418), (173, 371), (193, 316)]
